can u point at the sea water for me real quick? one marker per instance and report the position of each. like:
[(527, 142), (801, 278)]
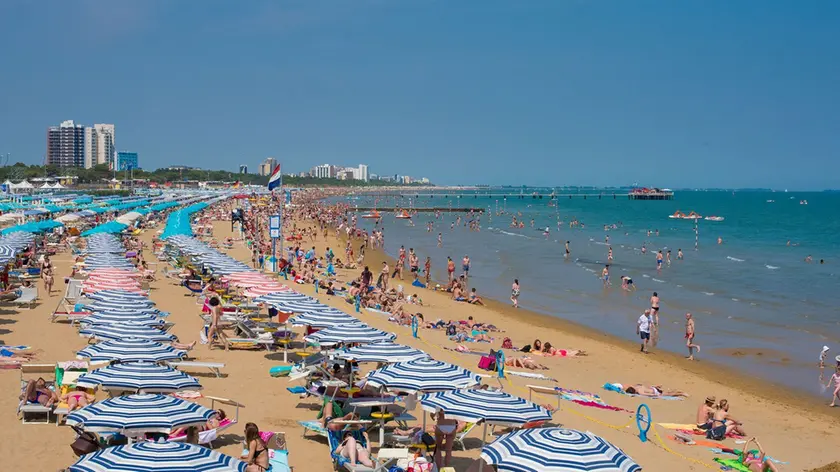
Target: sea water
[(758, 305)]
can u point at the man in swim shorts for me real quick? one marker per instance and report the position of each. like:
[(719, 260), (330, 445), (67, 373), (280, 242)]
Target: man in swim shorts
[(689, 336), (643, 330)]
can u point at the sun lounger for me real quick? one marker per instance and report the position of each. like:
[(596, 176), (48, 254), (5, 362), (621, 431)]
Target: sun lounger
[(459, 438), (28, 296), (210, 435), (334, 438), (215, 367), (315, 426), (26, 409)]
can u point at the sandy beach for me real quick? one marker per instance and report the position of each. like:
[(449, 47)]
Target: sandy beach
[(800, 431)]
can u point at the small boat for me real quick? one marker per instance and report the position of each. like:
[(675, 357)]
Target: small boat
[(714, 218), (803, 202), (693, 216), (372, 215), (677, 214), (771, 201), (404, 215)]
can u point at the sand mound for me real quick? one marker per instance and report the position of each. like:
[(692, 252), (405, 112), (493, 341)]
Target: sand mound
[(833, 467)]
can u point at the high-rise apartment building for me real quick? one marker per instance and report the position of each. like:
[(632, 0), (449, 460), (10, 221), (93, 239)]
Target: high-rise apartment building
[(325, 171), (362, 173), (243, 169), (100, 145), (66, 145), (267, 166)]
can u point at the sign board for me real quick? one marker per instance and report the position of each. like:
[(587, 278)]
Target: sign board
[(274, 226)]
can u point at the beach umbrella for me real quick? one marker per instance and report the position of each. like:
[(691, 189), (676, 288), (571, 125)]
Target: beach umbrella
[(113, 295), (7, 253), (115, 273), (555, 450), (138, 376), (324, 320), (130, 350), (135, 415), (356, 333), (157, 457), (127, 318), (422, 375), (259, 291), (138, 306), (285, 296), (474, 405), (112, 331), (385, 352)]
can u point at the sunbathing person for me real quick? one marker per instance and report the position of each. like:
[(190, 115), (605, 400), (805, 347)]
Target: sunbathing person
[(329, 422), (652, 391), (705, 413), (36, 391), (354, 451), (525, 363), (758, 464), (9, 355), (549, 350), (77, 398), (213, 423), (474, 299)]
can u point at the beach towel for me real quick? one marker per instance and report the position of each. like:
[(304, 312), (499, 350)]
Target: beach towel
[(678, 426), (530, 375), (733, 464), (618, 388)]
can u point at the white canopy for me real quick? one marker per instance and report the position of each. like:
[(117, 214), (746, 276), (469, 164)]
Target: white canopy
[(46, 185), (129, 218), (58, 185), (68, 217), (23, 184)]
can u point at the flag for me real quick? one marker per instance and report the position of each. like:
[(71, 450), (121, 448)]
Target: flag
[(276, 179)]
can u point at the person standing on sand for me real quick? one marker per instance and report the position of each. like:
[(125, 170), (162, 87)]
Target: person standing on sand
[(654, 309), (514, 293), (450, 269), (643, 330), (383, 277), (689, 336)]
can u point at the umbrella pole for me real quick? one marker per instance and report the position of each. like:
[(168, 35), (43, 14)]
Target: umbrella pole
[(483, 443)]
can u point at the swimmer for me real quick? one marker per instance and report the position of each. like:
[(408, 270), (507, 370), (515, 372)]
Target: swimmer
[(440, 239), (659, 260), (668, 257), (644, 249), (720, 240), (679, 254)]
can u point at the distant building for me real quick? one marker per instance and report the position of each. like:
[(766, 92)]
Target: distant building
[(66, 145), (127, 161), (243, 169), (361, 173), (325, 171), (424, 180), (346, 174), (182, 168), (267, 166)]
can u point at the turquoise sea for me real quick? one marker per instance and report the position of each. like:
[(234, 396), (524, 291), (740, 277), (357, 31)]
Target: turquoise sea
[(759, 306)]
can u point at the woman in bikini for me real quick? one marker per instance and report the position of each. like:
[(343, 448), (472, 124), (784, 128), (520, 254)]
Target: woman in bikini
[(78, 398), (757, 464), (444, 439), (352, 450), (549, 350), (653, 391), (257, 457)]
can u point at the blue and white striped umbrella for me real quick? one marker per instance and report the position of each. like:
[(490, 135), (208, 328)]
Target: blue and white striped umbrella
[(157, 457), (130, 350), (138, 376), (117, 295), (136, 319), (422, 375), (124, 331), (324, 320), (134, 415), (7, 253), (475, 405), (146, 306), (386, 352), (350, 333), (286, 296), (555, 450)]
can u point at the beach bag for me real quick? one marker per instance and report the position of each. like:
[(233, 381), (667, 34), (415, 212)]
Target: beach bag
[(487, 363), (527, 348), (507, 344), (85, 443), (428, 440), (450, 330)]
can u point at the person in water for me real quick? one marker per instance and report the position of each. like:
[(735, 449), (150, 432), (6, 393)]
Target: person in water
[(689, 336)]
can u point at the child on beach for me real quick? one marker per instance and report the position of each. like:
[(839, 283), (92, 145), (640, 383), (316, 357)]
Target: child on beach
[(836, 394), (514, 293)]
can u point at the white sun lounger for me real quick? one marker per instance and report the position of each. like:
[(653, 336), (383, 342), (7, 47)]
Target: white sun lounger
[(28, 296), (215, 367), (27, 410)]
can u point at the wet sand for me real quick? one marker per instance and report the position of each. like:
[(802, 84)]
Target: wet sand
[(793, 428)]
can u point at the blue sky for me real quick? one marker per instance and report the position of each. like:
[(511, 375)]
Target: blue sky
[(542, 92)]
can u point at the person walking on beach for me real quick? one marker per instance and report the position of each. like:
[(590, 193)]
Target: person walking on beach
[(383, 277), (689, 336), (514, 293), (605, 275), (654, 309), (450, 269), (643, 330)]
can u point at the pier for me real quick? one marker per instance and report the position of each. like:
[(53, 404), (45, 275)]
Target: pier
[(635, 195)]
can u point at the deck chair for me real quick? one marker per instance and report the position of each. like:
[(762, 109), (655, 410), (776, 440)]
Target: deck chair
[(459, 438), (210, 435), (65, 380), (28, 296), (340, 462), (26, 409)]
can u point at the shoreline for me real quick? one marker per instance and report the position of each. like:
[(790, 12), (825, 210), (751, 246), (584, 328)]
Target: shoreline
[(708, 370)]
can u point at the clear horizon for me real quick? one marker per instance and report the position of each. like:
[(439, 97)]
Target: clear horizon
[(670, 94)]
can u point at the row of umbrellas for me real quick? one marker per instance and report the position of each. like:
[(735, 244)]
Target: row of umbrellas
[(447, 388)]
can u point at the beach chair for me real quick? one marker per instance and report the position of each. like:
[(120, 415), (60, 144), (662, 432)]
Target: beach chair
[(28, 296), (459, 438), (26, 409), (215, 367), (247, 338), (65, 381), (210, 435), (334, 438)]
